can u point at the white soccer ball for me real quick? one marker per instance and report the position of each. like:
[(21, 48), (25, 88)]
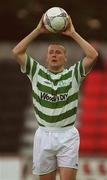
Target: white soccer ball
[(55, 19)]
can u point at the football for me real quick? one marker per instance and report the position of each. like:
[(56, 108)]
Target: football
[(55, 19)]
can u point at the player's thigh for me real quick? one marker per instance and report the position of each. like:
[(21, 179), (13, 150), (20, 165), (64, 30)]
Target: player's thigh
[(67, 173), (49, 176)]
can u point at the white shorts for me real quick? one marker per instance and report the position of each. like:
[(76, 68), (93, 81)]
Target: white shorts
[(55, 147)]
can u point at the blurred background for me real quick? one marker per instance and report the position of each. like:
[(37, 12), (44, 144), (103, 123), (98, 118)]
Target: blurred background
[(17, 121)]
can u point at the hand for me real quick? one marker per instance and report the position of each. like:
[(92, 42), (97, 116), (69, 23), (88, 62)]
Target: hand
[(41, 26), (69, 29)]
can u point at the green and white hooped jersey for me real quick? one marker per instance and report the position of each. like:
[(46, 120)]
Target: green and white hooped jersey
[(55, 95)]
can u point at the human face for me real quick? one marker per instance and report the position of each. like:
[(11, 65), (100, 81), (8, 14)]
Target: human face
[(56, 57)]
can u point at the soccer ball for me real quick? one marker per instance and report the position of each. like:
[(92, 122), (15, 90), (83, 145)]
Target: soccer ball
[(55, 19)]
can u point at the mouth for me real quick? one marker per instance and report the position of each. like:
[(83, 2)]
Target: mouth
[(54, 60)]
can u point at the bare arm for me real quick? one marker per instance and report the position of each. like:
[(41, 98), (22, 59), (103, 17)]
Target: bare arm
[(90, 52), (19, 50)]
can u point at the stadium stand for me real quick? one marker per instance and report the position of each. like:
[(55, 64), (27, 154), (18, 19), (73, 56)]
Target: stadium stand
[(14, 98)]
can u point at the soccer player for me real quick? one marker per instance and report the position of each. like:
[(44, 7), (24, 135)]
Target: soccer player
[(55, 99)]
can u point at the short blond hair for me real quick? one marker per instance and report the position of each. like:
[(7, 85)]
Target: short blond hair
[(59, 44)]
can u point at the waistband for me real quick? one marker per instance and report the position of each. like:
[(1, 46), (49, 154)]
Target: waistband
[(71, 124), (56, 129)]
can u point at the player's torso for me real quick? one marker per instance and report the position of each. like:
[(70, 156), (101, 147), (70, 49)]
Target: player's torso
[(53, 87), (54, 98)]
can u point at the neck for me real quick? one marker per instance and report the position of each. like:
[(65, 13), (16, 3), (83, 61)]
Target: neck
[(54, 69)]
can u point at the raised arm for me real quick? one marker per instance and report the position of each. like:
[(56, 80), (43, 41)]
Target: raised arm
[(19, 50), (90, 52)]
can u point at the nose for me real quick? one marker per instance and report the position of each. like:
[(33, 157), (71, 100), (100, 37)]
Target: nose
[(54, 55)]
